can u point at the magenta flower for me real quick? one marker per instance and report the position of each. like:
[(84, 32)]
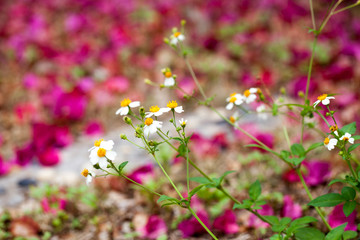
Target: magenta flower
[(255, 222), (266, 138), (49, 157), (70, 106), (192, 227), (142, 173), (337, 217), (94, 128), (53, 205), (4, 166), (24, 155), (291, 209), (117, 84), (226, 222), (154, 228)]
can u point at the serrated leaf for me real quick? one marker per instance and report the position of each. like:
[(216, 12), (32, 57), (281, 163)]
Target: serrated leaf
[(297, 161), (348, 208), (348, 193), (297, 150), (327, 200), (195, 190), (285, 221), (353, 147), (309, 233), (336, 233), (177, 139), (122, 166), (314, 145), (244, 205), (349, 128), (255, 190)]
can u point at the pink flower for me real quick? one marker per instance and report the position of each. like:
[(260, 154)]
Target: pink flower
[(53, 205), (255, 222), (188, 85), (142, 173), (192, 227), (49, 157), (337, 217), (24, 155), (117, 84), (266, 138), (154, 228), (4, 166), (291, 209), (70, 106), (94, 128), (226, 222)]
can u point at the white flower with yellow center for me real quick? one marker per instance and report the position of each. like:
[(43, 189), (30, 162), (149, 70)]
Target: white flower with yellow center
[(102, 143), (234, 99), (89, 175), (173, 106), (176, 37), (261, 112), (234, 118), (330, 143), (100, 155), (334, 130), (155, 111), (324, 99), (151, 126), (250, 95), (347, 138), (169, 78), (126, 104), (182, 122)]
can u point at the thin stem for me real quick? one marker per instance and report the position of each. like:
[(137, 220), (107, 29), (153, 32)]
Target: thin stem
[(195, 78), (332, 116), (323, 118), (298, 171), (329, 16), (287, 137), (202, 224), (345, 8), (187, 171), (167, 176), (312, 14), (351, 168)]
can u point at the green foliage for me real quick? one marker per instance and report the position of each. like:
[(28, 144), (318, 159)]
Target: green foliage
[(255, 190), (297, 150), (213, 183), (122, 166), (309, 233), (348, 193), (314, 146), (349, 128), (336, 233), (327, 200), (353, 147), (349, 207)]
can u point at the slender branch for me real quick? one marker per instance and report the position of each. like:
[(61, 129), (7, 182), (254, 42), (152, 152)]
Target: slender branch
[(312, 14), (345, 8), (202, 224)]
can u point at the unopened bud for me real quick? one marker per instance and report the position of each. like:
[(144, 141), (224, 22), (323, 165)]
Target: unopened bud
[(178, 129), (183, 22), (171, 120), (96, 166), (183, 134), (166, 41), (123, 136), (261, 96), (328, 114), (282, 90), (127, 120), (301, 94), (152, 143), (142, 112), (341, 153), (148, 81)]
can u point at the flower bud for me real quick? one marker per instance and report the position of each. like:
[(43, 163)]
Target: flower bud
[(127, 120), (171, 120), (183, 22), (96, 166), (153, 143), (282, 90), (142, 112), (123, 136), (328, 114), (183, 134), (301, 94), (341, 153), (148, 81), (166, 41), (178, 129)]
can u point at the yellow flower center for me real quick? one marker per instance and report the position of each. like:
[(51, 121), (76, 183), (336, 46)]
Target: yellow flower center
[(148, 121), (183, 123), (125, 102), (85, 172), (259, 91), (172, 104), (322, 97), (326, 141), (346, 139), (247, 93), (334, 128), (232, 99), (97, 143), (232, 119), (233, 94), (154, 109), (101, 152), (177, 34), (168, 74)]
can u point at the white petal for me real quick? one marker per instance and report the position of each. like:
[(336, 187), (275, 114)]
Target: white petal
[(336, 133), (326, 101), (239, 101), (330, 97), (146, 131), (253, 90), (124, 111), (107, 145), (333, 141), (179, 109), (316, 103), (169, 82), (181, 37), (94, 159), (152, 129), (348, 135), (103, 162), (134, 104), (351, 140), (148, 114), (228, 99), (88, 179), (111, 155), (165, 109), (250, 98), (229, 106), (174, 41), (118, 111), (90, 149)]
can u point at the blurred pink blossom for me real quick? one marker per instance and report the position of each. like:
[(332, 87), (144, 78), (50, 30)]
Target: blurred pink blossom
[(191, 227), (142, 173), (291, 209), (337, 217), (255, 222), (154, 228), (226, 222)]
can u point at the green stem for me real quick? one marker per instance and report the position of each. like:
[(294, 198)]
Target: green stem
[(345, 8), (298, 171), (332, 115), (329, 16), (195, 78), (187, 171), (323, 118), (287, 136), (312, 14), (167, 176), (202, 224), (351, 168)]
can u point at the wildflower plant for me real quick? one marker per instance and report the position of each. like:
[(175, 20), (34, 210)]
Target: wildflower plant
[(149, 124)]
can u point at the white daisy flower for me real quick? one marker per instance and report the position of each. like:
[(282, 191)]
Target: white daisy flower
[(176, 37), (234, 118), (151, 126), (334, 130), (89, 175), (102, 153), (261, 112), (182, 122), (169, 78), (126, 104), (330, 143), (155, 111), (324, 99), (250, 95), (172, 105), (234, 99), (347, 138), (103, 144)]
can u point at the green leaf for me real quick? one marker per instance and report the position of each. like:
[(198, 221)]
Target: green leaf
[(182, 149), (350, 128), (255, 145), (164, 197), (285, 221), (309, 233), (327, 200), (303, 220), (201, 180), (348, 193), (297, 150), (349, 235), (285, 154), (255, 190), (195, 190), (122, 166), (314, 145), (224, 175), (297, 161), (357, 137), (247, 203), (273, 220), (352, 147), (336, 180), (177, 139), (275, 109), (348, 208), (336, 233)]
